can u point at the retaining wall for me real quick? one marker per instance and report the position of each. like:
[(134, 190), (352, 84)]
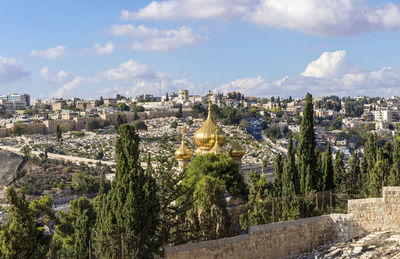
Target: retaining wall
[(289, 238)]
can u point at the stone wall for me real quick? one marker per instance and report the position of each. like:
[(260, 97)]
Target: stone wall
[(366, 216), (275, 240), (289, 238)]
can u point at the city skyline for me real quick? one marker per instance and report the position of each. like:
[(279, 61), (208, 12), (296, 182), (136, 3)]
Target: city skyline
[(260, 48)]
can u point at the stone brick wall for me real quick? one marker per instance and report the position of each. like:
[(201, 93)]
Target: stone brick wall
[(289, 238), (263, 241)]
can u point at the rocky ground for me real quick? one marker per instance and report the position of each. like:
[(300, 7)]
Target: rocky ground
[(376, 245), (9, 165)]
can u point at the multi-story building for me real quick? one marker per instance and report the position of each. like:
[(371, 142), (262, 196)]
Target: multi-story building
[(13, 102)]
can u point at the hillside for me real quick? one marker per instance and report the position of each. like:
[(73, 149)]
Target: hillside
[(9, 165)]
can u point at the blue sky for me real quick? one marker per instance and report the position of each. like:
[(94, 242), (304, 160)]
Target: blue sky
[(259, 47)]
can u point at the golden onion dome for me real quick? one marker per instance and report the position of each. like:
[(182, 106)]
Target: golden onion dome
[(183, 152), (217, 149), (206, 134), (236, 151)]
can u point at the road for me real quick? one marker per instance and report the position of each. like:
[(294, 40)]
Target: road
[(275, 146)]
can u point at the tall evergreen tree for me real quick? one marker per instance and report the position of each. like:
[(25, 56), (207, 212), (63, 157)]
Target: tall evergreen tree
[(179, 113), (22, 234), (290, 204), (129, 214), (376, 177), (259, 212), (354, 181), (58, 133), (370, 152), (327, 169), (73, 233), (394, 178), (306, 155), (120, 119), (277, 181), (291, 167), (339, 175)]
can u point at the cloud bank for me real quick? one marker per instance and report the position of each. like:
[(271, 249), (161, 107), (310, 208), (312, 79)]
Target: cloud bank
[(331, 73), (326, 18), (156, 40)]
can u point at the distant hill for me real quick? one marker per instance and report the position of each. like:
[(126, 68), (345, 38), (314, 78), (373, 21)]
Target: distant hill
[(9, 164)]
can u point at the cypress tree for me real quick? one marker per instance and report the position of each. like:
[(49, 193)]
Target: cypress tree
[(291, 167), (290, 204), (129, 214), (306, 152), (354, 181), (277, 181), (339, 175), (327, 169), (370, 152), (394, 178), (258, 200), (376, 177)]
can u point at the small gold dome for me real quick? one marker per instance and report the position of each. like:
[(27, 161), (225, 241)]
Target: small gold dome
[(183, 152), (206, 134), (217, 149), (236, 151)]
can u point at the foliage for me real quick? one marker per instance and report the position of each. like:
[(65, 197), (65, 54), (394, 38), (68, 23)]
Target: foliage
[(140, 125), (327, 169), (306, 152), (128, 216), (72, 234), (120, 119), (23, 235)]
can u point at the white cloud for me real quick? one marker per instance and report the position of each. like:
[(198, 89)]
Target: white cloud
[(190, 9), (158, 40), (11, 70), (107, 49), (50, 77), (329, 65), (53, 53), (128, 78), (329, 74), (327, 18)]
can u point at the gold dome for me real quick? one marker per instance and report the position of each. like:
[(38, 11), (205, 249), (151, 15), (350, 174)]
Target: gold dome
[(205, 136), (236, 151), (183, 152), (217, 149)]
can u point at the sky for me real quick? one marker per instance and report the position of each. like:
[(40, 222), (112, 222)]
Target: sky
[(261, 48)]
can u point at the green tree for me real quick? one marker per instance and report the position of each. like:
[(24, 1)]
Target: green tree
[(140, 125), (120, 119), (123, 107), (58, 133), (220, 167), (207, 179), (354, 175), (327, 169), (26, 150), (129, 215), (73, 233), (23, 234), (339, 175), (394, 178), (179, 113), (306, 152), (277, 181), (290, 203), (259, 197)]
